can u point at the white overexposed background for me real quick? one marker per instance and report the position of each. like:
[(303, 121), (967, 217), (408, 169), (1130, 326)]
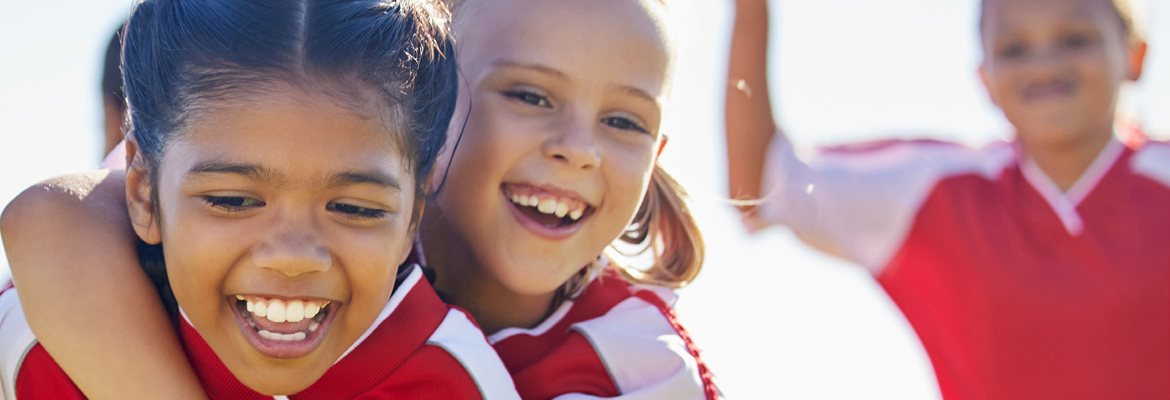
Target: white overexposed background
[(774, 318)]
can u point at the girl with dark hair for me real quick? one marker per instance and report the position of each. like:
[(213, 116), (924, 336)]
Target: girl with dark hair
[(550, 163), (278, 161)]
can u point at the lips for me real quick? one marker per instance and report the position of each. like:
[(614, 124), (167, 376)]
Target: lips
[(283, 328), (1051, 90)]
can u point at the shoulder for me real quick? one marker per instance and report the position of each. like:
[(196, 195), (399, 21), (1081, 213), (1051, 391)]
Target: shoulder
[(947, 158), (63, 199), (1152, 160), (26, 370), (422, 346), (645, 348), (459, 337)]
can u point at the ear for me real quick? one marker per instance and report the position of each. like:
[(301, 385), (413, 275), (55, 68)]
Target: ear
[(1137, 60), (139, 201), (987, 85), (661, 145)]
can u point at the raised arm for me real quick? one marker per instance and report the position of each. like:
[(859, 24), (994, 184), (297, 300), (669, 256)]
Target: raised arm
[(750, 125), (857, 203), (72, 254)]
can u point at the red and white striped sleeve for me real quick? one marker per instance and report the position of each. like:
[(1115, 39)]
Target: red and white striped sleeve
[(647, 353), (858, 202)]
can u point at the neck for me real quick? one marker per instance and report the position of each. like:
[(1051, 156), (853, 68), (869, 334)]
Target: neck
[(465, 282), (1064, 162)]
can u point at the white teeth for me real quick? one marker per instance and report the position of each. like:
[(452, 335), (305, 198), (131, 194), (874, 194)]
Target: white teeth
[(276, 310), (285, 337), (515, 198), (547, 206), (311, 310), (576, 214), (562, 209), (239, 297), (296, 311), (532, 201), (251, 306), (261, 309), (313, 326)]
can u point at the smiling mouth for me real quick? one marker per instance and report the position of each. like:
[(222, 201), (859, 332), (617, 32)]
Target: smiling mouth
[(547, 209), (283, 328), (1055, 89)]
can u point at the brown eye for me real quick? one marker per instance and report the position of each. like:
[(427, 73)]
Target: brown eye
[(1013, 50), (356, 212), (232, 203)]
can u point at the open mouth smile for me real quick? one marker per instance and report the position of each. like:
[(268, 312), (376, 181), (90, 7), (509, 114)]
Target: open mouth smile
[(283, 328), (546, 211)]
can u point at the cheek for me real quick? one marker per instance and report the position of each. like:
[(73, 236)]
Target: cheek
[(628, 176)]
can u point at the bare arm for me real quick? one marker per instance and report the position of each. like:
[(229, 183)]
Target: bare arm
[(72, 254), (750, 125), (855, 205)]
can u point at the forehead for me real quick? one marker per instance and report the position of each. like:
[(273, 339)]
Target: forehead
[(302, 132), (615, 39), (1002, 15)]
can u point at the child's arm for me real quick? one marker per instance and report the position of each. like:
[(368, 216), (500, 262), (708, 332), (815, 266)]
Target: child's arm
[(749, 121), (857, 203), (72, 254)]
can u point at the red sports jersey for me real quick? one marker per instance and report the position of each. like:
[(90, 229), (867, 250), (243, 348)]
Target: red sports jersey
[(1017, 290), (615, 340), (419, 348)]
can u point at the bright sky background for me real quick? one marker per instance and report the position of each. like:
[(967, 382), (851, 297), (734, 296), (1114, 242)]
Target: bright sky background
[(774, 318)]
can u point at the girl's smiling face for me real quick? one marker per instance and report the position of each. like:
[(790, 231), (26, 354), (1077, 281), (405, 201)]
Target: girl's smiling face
[(290, 203), (563, 130)]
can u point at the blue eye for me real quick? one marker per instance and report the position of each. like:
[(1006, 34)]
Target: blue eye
[(625, 124), (356, 212), (232, 203), (528, 98)]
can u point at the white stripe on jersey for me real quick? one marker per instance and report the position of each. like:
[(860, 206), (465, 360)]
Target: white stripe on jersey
[(1153, 160), (464, 341), (16, 339), (643, 353)]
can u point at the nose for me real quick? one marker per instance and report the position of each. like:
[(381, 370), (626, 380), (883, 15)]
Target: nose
[(1048, 60), (292, 251), (574, 143)]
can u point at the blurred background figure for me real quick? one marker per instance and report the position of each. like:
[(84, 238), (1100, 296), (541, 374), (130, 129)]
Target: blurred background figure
[(113, 98), (1033, 268), (113, 104)]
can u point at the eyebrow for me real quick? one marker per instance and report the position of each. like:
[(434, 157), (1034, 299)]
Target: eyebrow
[(251, 171), (641, 94), (265, 175), (544, 69), (352, 178)]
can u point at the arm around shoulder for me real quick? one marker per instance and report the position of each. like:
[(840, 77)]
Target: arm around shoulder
[(72, 253)]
